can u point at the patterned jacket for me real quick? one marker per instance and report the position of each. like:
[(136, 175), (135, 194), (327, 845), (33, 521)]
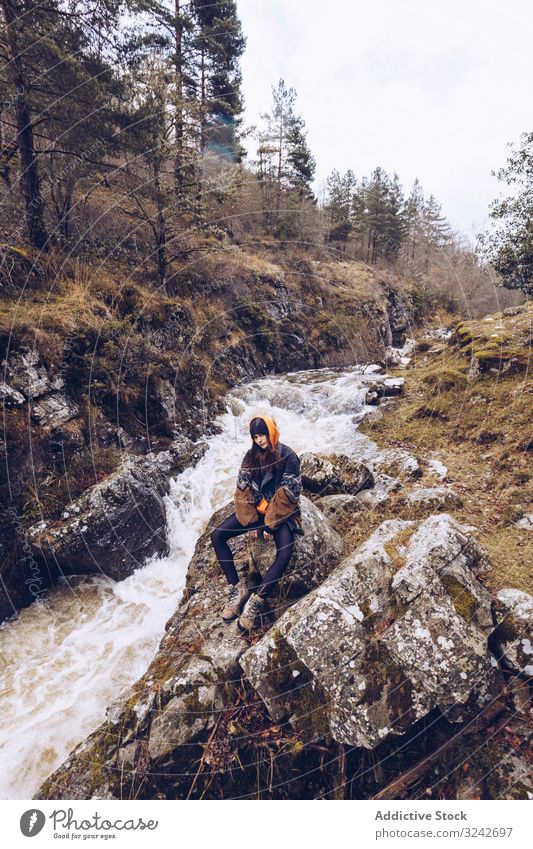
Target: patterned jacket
[(280, 486)]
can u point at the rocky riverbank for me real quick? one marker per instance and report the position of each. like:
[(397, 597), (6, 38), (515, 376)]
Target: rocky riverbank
[(373, 657), (99, 371)]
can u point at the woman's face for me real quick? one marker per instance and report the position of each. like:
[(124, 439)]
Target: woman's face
[(261, 440)]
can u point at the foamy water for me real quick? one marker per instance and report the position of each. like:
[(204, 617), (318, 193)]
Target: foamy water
[(68, 655)]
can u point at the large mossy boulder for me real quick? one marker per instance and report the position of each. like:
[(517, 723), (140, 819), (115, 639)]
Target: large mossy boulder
[(153, 738), (398, 629), (28, 374), (115, 525), (323, 475), (339, 507)]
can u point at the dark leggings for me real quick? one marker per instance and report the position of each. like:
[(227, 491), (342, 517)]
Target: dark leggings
[(231, 527)]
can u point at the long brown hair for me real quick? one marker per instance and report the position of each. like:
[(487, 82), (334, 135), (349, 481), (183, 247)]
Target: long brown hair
[(258, 459)]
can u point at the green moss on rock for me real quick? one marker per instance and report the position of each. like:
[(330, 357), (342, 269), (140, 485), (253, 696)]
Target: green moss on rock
[(446, 379), (463, 601), (508, 630), (303, 697)]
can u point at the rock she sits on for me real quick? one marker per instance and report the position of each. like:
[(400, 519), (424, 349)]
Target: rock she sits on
[(399, 628)]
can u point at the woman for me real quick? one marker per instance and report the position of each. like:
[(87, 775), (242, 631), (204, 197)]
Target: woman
[(266, 499)]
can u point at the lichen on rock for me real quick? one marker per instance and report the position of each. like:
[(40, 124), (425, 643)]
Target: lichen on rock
[(162, 721), (387, 645)]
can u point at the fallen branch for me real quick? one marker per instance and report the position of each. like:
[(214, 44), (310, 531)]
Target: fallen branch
[(202, 759)]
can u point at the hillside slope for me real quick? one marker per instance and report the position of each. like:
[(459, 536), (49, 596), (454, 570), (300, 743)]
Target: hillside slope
[(468, 399), (99, 363), (395, 665)]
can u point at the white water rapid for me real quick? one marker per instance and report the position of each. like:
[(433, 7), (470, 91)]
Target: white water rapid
[(69, 654)]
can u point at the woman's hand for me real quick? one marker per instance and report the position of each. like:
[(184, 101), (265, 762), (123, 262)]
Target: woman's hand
[(254, 534)]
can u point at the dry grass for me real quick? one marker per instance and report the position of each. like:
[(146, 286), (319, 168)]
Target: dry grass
[(479, 425), (66, 304)]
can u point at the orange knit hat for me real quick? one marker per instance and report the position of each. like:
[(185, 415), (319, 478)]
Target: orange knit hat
[(273, 431)]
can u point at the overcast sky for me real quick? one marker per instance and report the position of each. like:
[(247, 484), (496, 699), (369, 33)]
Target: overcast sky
[(430, 90)]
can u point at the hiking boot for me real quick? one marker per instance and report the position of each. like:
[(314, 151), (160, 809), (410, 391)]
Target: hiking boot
[(251, 616), (238, 595)]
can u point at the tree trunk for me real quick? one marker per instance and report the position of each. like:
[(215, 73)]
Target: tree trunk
[(160, 229), (203, 109), (280, 161), (161, 249), (65, 218), (4, 153), (29, 171), (200, 163), (179, 180)]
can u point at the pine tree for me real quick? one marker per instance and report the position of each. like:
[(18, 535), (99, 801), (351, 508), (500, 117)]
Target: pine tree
[(62, 86), (285, 163), (509, 246), (359, 214), (377, 215), (181, 28), (203, 42), (149, 136), (395, 221), (340, 206), (18, 22), (273, 142), (414, 210), (301, 163), (436, 229), (169, 29), (219, 44)]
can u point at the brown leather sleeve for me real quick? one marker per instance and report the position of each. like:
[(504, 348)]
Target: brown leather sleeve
[(245, 506), (279, 509)]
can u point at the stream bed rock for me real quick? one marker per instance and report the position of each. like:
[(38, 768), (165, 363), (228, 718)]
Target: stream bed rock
[(339, 507), (325, 476), (354, 651), (116, 524), (399, 628), (433, 498), (157, 727), (513, 637)]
